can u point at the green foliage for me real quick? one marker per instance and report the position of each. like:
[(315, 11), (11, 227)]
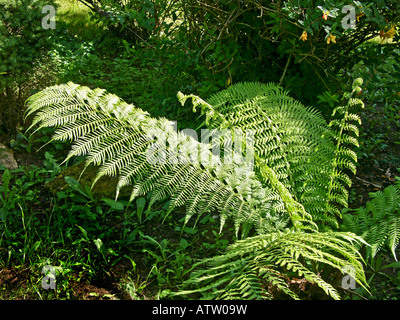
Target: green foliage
[(70, 231), (293, 151), (135, 21), (260, 41), (120, 138), (380, 134), (24, 47), (87, 240), (383, 76), (23, 40), (293, 145), (272, 261), (77, 19), (146, 51), (19, 193), (287, 136), (218, 43), (133, 72), (378, 222)]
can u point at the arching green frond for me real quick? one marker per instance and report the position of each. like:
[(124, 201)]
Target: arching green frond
[(379, 221), (148, 154), (290, 168), (252, 266), (306, 155)]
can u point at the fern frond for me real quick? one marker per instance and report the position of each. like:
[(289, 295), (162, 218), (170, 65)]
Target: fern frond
[(126, 142), (292, 155), (264, 261), (293, 141), (378, 222), (393, 234)]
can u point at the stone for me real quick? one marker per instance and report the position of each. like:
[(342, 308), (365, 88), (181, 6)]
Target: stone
[(7, 158)]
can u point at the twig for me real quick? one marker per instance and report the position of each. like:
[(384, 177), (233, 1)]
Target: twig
[(354, 293), (286, 67), (369, 183), (222, 31)]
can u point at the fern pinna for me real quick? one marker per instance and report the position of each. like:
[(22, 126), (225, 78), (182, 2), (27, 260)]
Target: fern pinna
[(378, 222), (284, 195)]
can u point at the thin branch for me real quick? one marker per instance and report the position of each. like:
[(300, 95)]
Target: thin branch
[(352, 292), (286, 67)]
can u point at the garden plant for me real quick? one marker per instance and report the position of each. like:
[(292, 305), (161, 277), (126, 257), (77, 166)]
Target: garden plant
[(184, 150)]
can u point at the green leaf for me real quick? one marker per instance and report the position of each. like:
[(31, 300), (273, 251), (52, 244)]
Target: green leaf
[(392, 265), (36, 245), (76, 186), (115, 205), (99, 244), (84, 232), (183, 244), (140, 205)]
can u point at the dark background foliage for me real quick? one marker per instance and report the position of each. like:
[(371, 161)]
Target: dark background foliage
[(259, 40), (24, 57)]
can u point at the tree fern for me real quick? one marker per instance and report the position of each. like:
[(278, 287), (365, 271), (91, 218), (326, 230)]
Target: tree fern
[(379, 221)]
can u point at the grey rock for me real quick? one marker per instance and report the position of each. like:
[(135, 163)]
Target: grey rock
[(7, 158)]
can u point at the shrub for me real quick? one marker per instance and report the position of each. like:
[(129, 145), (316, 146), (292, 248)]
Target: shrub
[(286, 42), (135, 21), (24, 59)]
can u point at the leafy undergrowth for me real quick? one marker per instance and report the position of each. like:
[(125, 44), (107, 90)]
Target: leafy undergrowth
[(100, 248), (105, 250), (379, 153)]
